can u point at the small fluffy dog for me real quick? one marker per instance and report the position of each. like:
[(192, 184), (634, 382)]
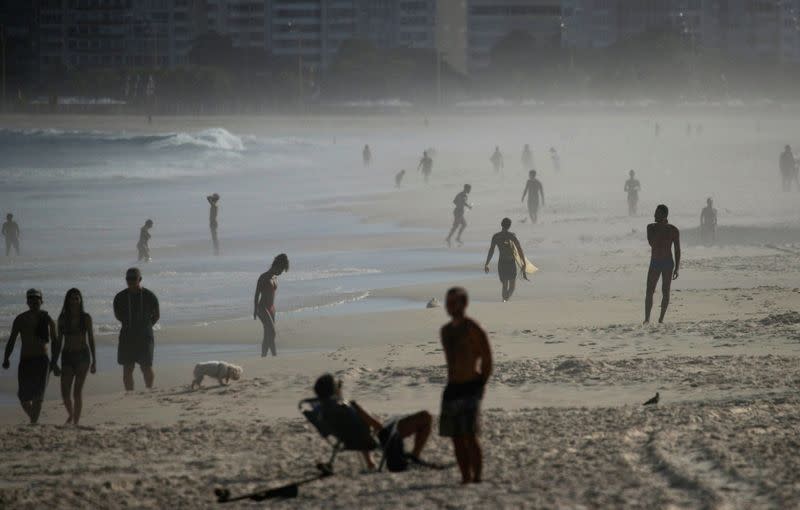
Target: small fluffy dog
[(220, 370)]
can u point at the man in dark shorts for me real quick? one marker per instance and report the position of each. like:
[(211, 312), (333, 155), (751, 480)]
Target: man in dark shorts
[(213, 211), (138, 311), (632, 187), (10, 231), (506, 242), (661, 236), (459, 223), (533, 190), (426, 165), (335, 408), (466, 346), (708, 223), (36, 329)]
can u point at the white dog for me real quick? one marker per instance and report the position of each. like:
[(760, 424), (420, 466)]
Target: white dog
[(220, 370)]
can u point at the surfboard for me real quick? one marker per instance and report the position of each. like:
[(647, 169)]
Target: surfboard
[(525, 265)]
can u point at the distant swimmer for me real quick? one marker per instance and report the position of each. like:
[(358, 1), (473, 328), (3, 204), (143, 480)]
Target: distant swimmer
[(497, 160), (788, 167), (632, 188), (507, 244), (398, 178), (144, 241), (708, 223), (527, 157), (556, 159), (36, 329), (458, 215), (661, 236), (11, 233), (76, 347), (366, 155), (264, 302), (426, 165), (533, 190), (213, 211), (137, 310)]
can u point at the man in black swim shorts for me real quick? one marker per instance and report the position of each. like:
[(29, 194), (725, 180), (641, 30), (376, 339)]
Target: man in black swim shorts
[(506, 243), (138, 311)]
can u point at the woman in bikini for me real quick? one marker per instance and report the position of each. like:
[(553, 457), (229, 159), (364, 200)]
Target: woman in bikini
[(264, 301), (78, 357)]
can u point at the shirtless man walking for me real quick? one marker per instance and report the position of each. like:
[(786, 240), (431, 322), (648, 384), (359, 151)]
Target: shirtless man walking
[(36, 328), (144, 241), (458, 215), (505, 242), (264, 302), (466, 347), (426, 166), (533, 190), (661, 236), (497, 160), (10, 231)]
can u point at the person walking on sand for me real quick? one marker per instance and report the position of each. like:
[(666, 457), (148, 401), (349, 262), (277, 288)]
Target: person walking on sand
[(264, 302), (632, 187), (458, 215), (533, 190), (10, 231), (426, 166), (35, 328), (144, 241), (506, 243), (661, 236), (527, 157), (466, 347), (788, 166), (366, 156), (76, 347), (556, 159), (497, 160), (708, 223), (398, 178), (213, 202), (137, 309)]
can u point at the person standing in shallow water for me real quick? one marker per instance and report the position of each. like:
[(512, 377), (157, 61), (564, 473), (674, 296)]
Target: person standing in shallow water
[(76, 347), (497, 160), (264, 302), (213, 201), (366, 156), (661, 236), (36, 328), (137, 309), (144, 241), (505, 242), (708, 223), (533, 190), (632, 187), (469, 366), (10, 231), (788, 165), (426, 166), (527, 157), (459, 222)]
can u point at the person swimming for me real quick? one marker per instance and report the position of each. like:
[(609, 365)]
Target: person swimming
[(662, 237), (264, 302), (505, 242), (459, 222), (533, 190)]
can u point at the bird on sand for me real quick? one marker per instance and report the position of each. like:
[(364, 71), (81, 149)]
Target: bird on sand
[(652, 401)]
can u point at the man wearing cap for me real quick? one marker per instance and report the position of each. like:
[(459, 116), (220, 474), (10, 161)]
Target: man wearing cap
[(36, 329), (137, 309)]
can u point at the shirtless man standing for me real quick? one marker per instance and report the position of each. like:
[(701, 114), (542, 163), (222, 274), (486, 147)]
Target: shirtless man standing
[(213, 201), (708, 223), (533, 190), (264, 302), (36, 328), (632, 187), (661, 236), (137, 310), (466, 347), (458, 215), (144, 241), (505, 242), (426, 166), (527, 157), (10, 231), (497, 160)]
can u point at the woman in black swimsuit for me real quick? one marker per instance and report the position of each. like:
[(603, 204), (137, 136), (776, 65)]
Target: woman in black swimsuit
[(78, 353)]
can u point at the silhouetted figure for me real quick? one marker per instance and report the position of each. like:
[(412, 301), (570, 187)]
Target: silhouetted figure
[(689, 129), (144, 241), (137, 310), (788, 167), (497, 160), (653, 401), (398, 178), (657, 129), (366, 155), (76, 347), (264, 302), (662, 237), (632, 187), (213, 211), (533, 190), (426, 165), (10, 231), (459, 222), (469, 366), (708, 223), (527, 157), (36, 329), (556, 159), (506, 243)]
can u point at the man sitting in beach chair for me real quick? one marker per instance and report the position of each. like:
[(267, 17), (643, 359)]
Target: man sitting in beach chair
[(351, 425)]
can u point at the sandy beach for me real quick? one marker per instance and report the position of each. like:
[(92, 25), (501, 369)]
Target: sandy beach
[(563, 425)]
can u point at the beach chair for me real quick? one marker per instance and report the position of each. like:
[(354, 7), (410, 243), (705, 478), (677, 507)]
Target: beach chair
[(343, 431)]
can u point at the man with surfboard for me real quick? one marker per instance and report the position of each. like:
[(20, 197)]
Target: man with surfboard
[(511, 257)]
